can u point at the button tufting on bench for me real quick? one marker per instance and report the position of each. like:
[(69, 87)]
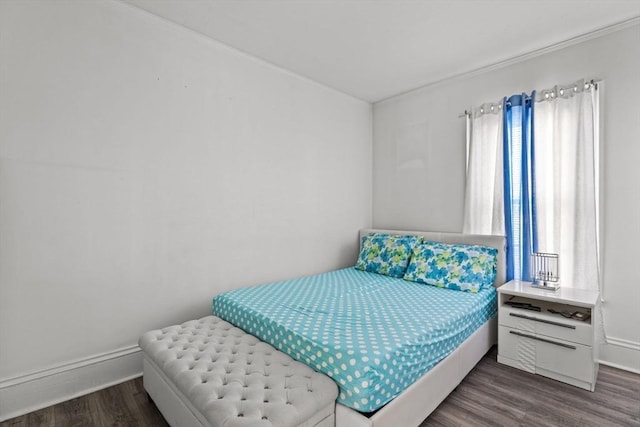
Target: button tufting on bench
[(232, 366)]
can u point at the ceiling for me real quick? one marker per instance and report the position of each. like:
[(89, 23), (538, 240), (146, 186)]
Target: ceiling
[(374, 49)]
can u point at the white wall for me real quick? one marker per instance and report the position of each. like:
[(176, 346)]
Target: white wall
[(143, 170), (419, 154)]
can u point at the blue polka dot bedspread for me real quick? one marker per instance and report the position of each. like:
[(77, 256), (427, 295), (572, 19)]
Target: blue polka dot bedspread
[(374, 335)]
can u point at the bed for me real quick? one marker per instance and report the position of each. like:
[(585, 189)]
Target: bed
[(385, 379), (420, 351)]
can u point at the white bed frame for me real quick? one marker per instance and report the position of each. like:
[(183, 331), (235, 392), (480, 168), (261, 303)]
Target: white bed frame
[(413, 405)]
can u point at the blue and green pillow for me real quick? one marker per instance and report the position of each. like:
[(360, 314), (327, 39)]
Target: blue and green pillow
[(460, 267), (386, 254)]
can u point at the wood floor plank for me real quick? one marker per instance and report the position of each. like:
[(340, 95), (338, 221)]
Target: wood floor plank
[(43, 417), (487, 410), (75, 413), (460, 411), (567, 401), (533, 400), (140, 403), (111, 407)]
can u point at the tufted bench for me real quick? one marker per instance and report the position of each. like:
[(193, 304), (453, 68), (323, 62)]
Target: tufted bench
[(209, 373)]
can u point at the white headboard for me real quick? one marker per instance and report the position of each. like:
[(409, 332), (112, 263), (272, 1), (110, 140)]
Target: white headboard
[(498, 242)]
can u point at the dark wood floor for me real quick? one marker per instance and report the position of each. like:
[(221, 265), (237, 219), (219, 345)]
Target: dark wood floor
[(498, 395), (126, 404), (491, 395)]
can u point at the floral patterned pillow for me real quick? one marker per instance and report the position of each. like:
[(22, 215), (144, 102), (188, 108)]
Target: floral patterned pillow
[(460, 267), (386, 254)]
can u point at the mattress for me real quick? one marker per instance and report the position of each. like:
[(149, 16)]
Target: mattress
[(374, 335)]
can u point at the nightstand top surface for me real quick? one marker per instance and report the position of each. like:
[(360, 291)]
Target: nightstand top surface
[(565, 295)]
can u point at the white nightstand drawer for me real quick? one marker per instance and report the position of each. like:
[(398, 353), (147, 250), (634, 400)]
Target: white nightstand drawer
[(543, 355), (544, 342), (547, 324)]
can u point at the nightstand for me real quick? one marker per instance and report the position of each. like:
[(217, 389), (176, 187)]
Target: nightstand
[(546, 343)]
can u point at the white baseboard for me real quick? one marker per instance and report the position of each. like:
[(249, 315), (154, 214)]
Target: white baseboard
[(621, 354), (25, 393)]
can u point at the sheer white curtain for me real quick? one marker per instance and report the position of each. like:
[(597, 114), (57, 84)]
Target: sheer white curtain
[(566, 175), (484, 201), (565, 172)]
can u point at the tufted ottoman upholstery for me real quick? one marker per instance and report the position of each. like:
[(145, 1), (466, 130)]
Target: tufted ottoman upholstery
[(226, 377)]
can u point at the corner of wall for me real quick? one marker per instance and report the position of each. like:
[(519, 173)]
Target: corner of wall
[(621, 354)]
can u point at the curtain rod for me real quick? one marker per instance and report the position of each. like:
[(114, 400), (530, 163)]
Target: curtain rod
[(545, 94)]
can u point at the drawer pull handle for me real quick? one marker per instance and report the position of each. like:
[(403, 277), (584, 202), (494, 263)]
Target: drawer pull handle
[(550, 322), (533, 337)]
